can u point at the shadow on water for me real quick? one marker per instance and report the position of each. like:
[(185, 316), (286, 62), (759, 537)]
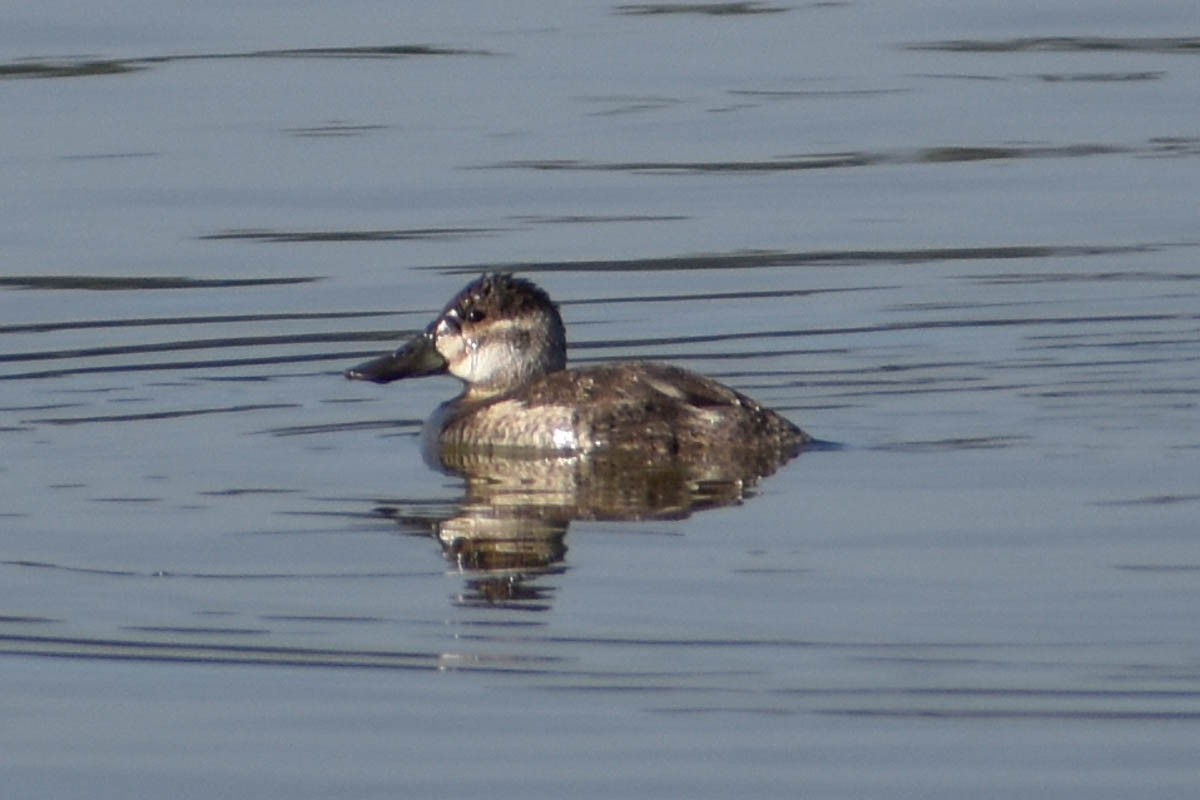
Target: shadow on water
[(761, 259), (1067, 44), (88, 67), (950, 154), (209, 319), (292, 237), (419, 234), (102, 283), (1099, 77), (702, 9), (333, 129), (142, 649)]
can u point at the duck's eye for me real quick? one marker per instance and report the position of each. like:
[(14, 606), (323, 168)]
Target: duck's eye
[(475, 315)]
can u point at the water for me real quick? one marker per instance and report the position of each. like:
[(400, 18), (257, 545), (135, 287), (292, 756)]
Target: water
[(960, 241)]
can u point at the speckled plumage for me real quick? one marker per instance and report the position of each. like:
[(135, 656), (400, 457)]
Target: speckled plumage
[(504, 338)]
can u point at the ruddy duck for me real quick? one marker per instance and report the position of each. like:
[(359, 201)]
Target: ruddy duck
[(504, 338)]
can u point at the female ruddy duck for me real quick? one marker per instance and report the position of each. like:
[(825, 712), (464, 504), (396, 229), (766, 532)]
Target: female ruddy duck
[(504, 338)]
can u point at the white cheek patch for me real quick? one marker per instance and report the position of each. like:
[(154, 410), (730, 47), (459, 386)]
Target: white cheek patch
[(450, 348), (484, 354), (472, 356)]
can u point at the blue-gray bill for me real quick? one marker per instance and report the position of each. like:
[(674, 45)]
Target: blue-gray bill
[(416, 358)]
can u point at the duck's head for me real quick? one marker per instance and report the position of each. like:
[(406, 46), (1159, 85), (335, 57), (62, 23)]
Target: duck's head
[(497, 334)]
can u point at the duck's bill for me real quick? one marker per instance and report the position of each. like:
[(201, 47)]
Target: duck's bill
[(415, 359)]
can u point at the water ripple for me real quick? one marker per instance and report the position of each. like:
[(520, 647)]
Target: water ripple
[(1067, 44), (87, 67), (942, 154)]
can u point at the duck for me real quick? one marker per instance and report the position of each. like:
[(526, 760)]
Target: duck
[(504, 338)]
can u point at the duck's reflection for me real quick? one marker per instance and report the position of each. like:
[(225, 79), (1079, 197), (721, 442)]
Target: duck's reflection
[(509, 531)]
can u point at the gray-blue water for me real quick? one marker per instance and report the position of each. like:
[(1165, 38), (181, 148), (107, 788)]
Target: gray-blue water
[(959, 239)]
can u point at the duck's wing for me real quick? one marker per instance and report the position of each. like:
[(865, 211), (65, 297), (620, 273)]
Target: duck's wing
[(662, 408)]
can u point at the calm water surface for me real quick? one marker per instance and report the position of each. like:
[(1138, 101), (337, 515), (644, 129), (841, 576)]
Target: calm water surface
[(960, 241)]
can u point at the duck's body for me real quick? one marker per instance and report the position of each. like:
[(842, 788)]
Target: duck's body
[(504, 338), (655, 408)]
